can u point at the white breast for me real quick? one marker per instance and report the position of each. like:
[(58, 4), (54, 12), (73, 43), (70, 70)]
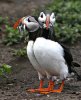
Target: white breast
[(33, 60), (49, 55)]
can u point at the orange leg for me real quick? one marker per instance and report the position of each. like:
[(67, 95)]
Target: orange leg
[(49, 89), (60, 88), (43, 90)]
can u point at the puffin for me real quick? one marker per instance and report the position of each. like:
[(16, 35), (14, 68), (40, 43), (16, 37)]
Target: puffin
[(49, 57)]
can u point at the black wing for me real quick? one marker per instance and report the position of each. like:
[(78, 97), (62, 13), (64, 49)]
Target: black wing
[(68, 57)]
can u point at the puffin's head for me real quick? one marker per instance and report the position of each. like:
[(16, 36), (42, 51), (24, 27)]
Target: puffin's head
[(30, 23), (46, 20), (27, 23)]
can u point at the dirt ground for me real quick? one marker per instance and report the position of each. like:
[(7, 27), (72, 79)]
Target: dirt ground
[(23, 75), (19, 8)]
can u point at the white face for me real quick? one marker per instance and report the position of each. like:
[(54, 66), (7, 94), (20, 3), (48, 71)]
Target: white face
[(30, 23), (42, 19), (52, 18)]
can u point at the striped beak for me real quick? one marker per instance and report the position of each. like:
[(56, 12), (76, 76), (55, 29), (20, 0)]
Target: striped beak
[(18, 22), (47, 21)]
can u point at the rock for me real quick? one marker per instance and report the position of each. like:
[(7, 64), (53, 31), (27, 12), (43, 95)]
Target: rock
[(48, 96)]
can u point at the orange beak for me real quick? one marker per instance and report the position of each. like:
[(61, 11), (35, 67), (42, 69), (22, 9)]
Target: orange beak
[(47, 21), (17, 23)]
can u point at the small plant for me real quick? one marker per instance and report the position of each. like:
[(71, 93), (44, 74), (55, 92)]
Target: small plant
[(5, 69), (12, 36), (21, 52)]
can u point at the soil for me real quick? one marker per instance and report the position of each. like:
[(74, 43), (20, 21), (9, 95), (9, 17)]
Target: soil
[(23, 75), (20, 8)]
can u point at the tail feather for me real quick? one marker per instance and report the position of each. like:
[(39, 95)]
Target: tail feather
[(75, 64)]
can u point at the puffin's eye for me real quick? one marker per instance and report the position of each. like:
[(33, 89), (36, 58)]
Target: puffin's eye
[(29, 20), (41, 15)]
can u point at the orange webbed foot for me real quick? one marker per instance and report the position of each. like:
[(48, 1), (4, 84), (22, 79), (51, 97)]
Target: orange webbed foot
[(50, 88), (37, 90), (43, 90), (60, 88)]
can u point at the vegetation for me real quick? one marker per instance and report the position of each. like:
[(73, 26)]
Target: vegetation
[(67, 26), (21, 52), (11, 36), (68, 19), (4, 70)]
